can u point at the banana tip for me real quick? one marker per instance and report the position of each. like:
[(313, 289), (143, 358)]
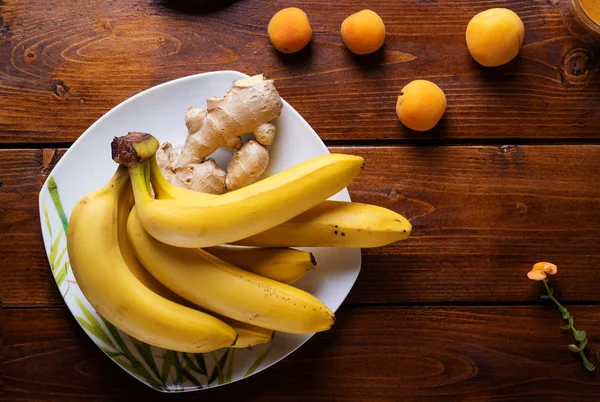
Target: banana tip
[(237, 336)]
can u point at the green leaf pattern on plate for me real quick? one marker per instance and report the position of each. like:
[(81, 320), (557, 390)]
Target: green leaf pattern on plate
[(163, 370), (258, 362)]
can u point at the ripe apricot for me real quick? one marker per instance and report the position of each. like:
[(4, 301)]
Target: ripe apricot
[(363, 32), (289, 30), (495, 36), (421, 105), (592, 9)]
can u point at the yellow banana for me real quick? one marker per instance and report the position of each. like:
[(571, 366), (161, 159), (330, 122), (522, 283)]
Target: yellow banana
[(98, 263), (283, 265), (327, 224), (227, 290), (248, 335), (237, 214), (336, 224)]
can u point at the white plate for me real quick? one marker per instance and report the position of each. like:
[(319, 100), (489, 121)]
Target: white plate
[(88, 165)]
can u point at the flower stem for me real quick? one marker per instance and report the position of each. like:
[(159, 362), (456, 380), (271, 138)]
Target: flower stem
[(588, 365), (571, 325), (551, 297)]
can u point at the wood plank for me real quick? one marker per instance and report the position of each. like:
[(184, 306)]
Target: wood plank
[(379, 354), (482, 216), (60, 73), (1, 352), (23, 263)]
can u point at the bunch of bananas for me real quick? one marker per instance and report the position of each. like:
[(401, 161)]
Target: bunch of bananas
[(156, 260)]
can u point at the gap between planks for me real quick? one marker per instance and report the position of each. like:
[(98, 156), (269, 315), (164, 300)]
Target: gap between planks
[(427, 142), (351, 305)]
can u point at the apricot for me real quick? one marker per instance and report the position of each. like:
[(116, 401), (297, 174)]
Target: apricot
[(421, 105), (494, 37), (592, 9), (289, 30), (363, 32)]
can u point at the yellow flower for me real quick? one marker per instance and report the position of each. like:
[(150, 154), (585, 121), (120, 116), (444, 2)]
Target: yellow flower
[(540, 269)]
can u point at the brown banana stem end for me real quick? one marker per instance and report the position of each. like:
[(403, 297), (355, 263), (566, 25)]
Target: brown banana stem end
[(133, 148)]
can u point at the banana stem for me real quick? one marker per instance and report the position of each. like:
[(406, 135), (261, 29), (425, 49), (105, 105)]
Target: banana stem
[(147, 177), (158, 180), (133, 148), (140, 182), (118, 180)]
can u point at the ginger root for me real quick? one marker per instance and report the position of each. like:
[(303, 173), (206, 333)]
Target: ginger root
[(206, 177), (248, 107), (246, 164)]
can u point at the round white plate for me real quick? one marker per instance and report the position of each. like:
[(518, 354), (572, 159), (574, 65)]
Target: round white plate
[(87, 166)]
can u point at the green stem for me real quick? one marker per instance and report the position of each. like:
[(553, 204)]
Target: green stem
[(560, 306), (588, 365), (140, 183)]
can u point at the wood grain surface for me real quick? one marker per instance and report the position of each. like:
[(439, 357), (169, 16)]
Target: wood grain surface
[(509, 177), (388, 354), (482, 216), (65, 64)]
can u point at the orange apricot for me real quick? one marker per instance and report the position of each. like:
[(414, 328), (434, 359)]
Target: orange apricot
[(289, 30), (494, 37), (363, 32), (421, 105)]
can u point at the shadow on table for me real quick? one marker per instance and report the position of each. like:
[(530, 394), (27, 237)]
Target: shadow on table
[(505, 72), (369, 61), (196, 6), (297, 58)]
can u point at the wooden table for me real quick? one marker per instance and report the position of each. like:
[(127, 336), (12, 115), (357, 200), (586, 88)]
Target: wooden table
[(510, 177)]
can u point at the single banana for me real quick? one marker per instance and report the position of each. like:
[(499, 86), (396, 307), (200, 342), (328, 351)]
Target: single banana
[(220, 287), (284, 265), (336, 224), (327, 224), (106, 280), (237, 214)]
